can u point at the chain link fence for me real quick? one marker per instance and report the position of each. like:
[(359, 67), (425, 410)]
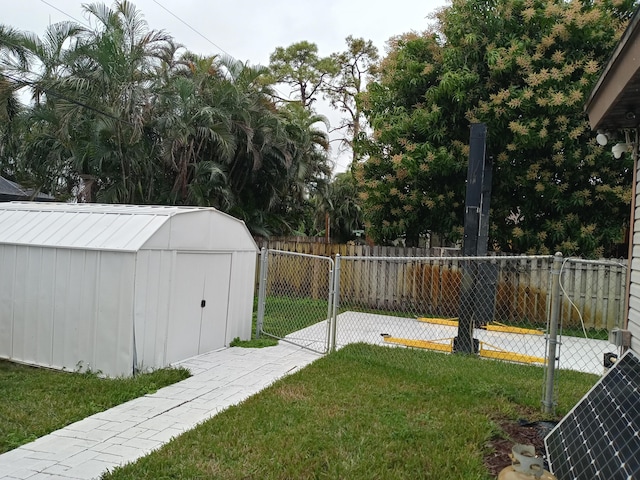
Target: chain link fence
[(593, 298), (295, 298), (497, 307), (592, 304), (502, 302)]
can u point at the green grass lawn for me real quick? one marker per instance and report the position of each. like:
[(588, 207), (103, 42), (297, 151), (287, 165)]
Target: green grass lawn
[(284, 315), (364, 412), (37, 401)]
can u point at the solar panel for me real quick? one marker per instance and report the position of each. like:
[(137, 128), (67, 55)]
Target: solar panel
[(600, 437)]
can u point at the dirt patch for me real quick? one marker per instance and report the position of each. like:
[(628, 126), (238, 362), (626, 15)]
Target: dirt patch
[(514, 432), (291, 393)]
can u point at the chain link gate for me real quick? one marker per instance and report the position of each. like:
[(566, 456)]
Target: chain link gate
[(295, 299)]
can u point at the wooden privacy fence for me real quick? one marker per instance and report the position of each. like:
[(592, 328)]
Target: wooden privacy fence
[(593, 291), (316, 246), (516, 290), (431, 287), (298, 276)]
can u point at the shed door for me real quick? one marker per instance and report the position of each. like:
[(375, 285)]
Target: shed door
[(200, 297)]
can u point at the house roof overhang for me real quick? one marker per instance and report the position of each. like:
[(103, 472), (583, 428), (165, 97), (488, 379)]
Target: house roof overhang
[(12, 191), (614, 102)]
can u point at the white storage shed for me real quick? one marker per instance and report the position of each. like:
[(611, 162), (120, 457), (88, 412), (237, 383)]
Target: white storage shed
[(121, 288)]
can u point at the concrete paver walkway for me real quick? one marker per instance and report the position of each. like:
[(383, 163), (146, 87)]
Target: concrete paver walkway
[(88, 448)]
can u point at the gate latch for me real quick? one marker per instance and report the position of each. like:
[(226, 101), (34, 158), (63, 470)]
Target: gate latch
[(203, 303)]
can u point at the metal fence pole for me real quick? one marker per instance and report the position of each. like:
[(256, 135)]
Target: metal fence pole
[(336, 301), (548, 403), (330, 300), (262, 290)]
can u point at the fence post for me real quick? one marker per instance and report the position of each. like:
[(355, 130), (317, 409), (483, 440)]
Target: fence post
[(262, 290), (556, 300), (336, 301)]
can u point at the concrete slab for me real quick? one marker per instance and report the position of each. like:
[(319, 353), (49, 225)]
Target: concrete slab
[(580, 354)]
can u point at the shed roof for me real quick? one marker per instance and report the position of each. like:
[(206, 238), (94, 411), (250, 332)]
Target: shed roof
[(87, 225)]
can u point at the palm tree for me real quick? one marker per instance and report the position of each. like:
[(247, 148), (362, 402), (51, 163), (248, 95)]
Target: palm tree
[(45, 154), (310, 169), (346, 212), (195, 134), (9, 111), (120, 114), (13, 56), (97, 91), (260, 166)]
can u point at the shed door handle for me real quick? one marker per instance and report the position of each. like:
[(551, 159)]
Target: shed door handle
[(203, 303)]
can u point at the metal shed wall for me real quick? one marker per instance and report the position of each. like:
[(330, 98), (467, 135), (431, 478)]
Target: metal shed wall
[(220, 235), (169, 322), (115, 288), (241, 295), (152, 315), (218, 232), (66, 308)]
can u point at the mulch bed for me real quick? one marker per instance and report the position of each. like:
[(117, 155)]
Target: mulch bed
[(501, 447)]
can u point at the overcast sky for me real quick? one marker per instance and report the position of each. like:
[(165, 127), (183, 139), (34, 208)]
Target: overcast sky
[(250, 30)]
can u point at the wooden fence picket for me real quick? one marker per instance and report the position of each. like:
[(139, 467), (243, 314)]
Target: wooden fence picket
[(596, 289)]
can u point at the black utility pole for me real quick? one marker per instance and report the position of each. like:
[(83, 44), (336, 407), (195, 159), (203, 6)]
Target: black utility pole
[(464, 342), (487, 178), (487, 274)]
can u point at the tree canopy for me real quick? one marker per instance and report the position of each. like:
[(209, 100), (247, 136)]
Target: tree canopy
[(340, 79), (523, 67), (122, 113)]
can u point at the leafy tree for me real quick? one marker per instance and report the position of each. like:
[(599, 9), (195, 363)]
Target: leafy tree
[(346, 86), (121, 113), (524, 68), (300, 66), (339, 206), (346, 212), (340, 78), (412, 182)]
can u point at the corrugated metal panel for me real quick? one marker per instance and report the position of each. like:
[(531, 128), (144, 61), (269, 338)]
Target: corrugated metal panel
[(88, 226), (66, 308), (241, 299), (8, 261), (153, 293), (115, 301)]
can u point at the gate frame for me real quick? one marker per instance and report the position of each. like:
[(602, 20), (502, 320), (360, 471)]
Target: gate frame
[(329, 342)]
